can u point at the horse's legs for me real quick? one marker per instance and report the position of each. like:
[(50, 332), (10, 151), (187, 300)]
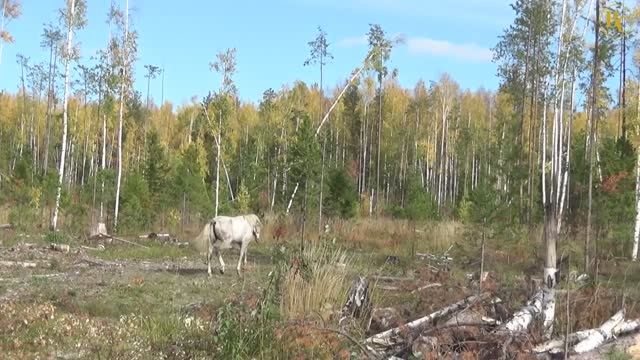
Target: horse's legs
[(210, 252), (243, 254), (220, 261)]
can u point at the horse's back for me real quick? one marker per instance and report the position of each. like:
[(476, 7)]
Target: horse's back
[(231, 229)]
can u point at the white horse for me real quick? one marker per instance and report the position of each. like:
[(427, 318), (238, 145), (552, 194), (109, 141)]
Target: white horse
[(225, 232)]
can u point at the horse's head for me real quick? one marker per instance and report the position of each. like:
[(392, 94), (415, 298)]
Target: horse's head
[(256, 226)]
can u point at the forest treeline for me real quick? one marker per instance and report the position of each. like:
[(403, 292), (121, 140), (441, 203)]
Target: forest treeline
[(555, 142)]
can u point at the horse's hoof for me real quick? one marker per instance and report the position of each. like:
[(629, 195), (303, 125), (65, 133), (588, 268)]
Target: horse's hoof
[(221, 272)]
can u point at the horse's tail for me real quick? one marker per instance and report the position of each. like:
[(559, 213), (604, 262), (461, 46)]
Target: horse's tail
[(213, 236)]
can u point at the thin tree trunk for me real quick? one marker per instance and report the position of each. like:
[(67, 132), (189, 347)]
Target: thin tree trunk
[(123, 89), (324, 145), (65, 115), (218, 149), (636, 233), (379, 144), (103, 165), (594, 120)]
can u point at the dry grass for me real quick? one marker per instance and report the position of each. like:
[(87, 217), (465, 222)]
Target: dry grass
[(316, 284)]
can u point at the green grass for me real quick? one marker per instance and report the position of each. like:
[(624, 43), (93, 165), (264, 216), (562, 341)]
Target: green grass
[(153, 252)]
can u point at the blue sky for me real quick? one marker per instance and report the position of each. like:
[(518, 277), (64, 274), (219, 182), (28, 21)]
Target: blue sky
[(453, 36)]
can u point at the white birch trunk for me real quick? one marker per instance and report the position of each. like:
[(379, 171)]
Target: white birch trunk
[(636, 232), (103, 165), (218, 162), (295, 190), (123, 90), (65, 114)]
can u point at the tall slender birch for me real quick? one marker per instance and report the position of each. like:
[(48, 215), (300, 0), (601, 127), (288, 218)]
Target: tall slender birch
[(73, 17)]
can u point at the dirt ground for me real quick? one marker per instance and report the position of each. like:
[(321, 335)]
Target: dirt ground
[(138, 303)]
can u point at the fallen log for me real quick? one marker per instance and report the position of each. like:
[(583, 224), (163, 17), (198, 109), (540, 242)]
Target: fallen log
[(37, 276), (59, 247), (559, 342), (22, 264), (99, 248), (391, 338), (557, 345), (471, 317), (522, 319), (601, 335), (6, 226)]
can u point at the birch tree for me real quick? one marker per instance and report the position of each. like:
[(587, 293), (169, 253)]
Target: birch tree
[(51, 37), (225, 64), (73, 17), (122, 51), (380, 51)]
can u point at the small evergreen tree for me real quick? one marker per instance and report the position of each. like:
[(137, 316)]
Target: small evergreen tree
[(342, 196)]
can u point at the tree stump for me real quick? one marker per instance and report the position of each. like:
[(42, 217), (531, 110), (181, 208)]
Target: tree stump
[(358, 304)]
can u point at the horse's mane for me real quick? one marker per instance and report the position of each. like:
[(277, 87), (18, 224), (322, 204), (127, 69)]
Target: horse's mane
[(252, 219)]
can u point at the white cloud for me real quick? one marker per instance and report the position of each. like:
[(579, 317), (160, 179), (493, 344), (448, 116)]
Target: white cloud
[(468, 52)]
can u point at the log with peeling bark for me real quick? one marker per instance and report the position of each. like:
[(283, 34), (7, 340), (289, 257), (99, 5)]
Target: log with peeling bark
[(557, 345), (601, 335), (392, 338), (522, 319)]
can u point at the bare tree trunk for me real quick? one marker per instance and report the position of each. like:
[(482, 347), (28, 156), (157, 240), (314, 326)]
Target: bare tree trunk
[(103, 165), (218, 149), (594, 121), (324, 145), (123, 89), (636, 233), (379, 144), (65, 116)]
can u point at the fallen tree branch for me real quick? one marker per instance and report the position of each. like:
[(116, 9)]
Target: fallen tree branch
[(127, 241), (6, 226), (393, 337), (99, 248), (428, 286)]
